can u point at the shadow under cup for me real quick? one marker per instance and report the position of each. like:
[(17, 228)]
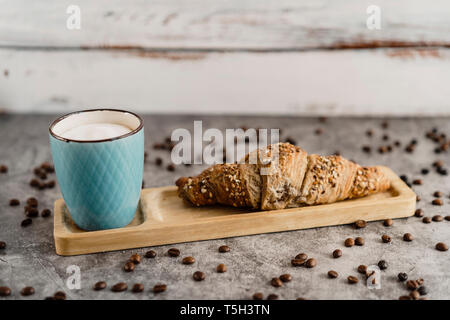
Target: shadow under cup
[(100, 180)]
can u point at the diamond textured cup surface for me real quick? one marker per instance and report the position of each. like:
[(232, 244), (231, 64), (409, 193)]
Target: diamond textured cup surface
[(100, 181)]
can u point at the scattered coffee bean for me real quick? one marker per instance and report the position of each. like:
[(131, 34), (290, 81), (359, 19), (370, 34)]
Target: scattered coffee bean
[(412, 285), (32, 202), (223, 249), (447, 218), (199, 276), (418, 213), (417, 182), (352, 280), (441, 246), (46, 213), (26, 222), (337, 253), (414, 295), (150, 254), (171, 167), (404, 298), (119, 287), (160, 287), (402, 276), (385, 238), (2, 245), (423, 290), (158, 161), (437, 194), (408, 237), (425, 171), (302, 256), (388, 222), (135, 258), (272, 296), (359, 241), (14, 202), (276, 282), (258, 296), (100, 285), (382, 264), (418, 198), (286, 277), (437, 202), (426, 220), (60, 295), (367, 149), (349, 242), (129, 266), (51, 184), (5, 291), (298, 262), (311, 263), (332, 274), (31, 212), (27, 291), (3, 169), (173, 252), (438, 218), (138, 287), (221, 268), (188, 260), (362, 269), (34, 183), (369, 133)]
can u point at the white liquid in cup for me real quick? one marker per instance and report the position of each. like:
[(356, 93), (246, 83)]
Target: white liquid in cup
[(95, 131)]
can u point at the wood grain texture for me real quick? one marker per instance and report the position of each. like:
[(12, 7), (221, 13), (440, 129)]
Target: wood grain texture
[(221, 24), (167, 219), (400, 82)]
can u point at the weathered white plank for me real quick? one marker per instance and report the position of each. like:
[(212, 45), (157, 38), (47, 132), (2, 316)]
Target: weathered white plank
[(222, 24), (364, 82)]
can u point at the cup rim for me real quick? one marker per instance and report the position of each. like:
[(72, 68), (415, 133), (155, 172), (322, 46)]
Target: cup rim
[(50, 128)]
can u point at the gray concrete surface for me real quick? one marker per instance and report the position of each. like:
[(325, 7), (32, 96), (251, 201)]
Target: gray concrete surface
[(30, 259)]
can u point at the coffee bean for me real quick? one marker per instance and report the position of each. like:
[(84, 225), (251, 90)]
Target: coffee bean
[(359, 241), (199, 276), (417, 182), (414, 295), (382, 264), (158, 161), (59, 295), (332, 274), (337, 253), (129, 266), (32, 202), (426, 220), (352, 280), (311, 263), (369, 132), (2, 245), (402, 276), (173, 252), (258, 296), (367, 149), (26, 222), (276, 282), (437, 194), (385, 238), (135, 258), (48, 167), (137, 287), (438, 218), (51, 184), (418, 198), (31, 212), (5, 291), (349, 242), (362, 269), (298, 262), (3, 169), (171, 167), (388, 222), (418, 213), (423, 290), (150, 254), (188, 260), (34, 183), (14, 202), (286, 277), (224, 249), (302, 256), (100, 285), (27, 291), (408, 237), (221, 268), (272, 296), (437, 202), (441, 246), (119, 287), (412, 285), (160, 287), (425, 171), (447, 218), (46, 213)]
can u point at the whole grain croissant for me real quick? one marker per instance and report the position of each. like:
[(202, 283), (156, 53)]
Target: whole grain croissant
[(281, 176)]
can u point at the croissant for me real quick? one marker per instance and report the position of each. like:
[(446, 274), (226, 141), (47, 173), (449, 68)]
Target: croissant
[(282, 176)]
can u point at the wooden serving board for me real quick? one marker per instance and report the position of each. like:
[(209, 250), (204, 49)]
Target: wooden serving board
[(163, 218)]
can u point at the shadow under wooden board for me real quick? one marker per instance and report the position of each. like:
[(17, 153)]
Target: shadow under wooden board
[(163, 218)]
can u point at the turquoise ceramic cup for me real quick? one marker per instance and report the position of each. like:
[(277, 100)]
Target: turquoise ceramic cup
[(100, 180)]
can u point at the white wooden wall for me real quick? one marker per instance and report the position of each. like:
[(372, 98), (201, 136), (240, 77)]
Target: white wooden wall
[(305, 57)]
